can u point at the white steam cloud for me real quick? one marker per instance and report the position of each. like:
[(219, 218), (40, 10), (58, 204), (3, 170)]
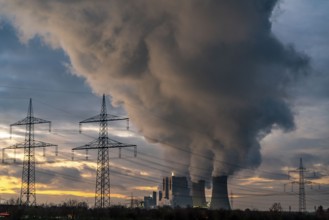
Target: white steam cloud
[(209, 72)]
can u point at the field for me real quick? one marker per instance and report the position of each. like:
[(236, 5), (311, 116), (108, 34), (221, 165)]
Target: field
[(122, 213)]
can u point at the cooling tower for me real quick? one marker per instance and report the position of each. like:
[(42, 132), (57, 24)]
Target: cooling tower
[(198, 193), (219, 199), (180, 192)]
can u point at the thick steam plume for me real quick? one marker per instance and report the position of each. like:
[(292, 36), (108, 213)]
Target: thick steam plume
[(207, 76)]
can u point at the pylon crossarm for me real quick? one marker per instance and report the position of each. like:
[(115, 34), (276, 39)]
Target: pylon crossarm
[(36, 144), (293, 171), (90, 145), (30, 120), (43, 144), (308, 182), (106, 117), (109, 144)]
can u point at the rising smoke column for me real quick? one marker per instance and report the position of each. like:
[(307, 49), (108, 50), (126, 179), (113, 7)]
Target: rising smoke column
[(207, 76)]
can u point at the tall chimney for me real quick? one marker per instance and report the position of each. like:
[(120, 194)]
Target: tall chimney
[(219, 198), (198, 193)]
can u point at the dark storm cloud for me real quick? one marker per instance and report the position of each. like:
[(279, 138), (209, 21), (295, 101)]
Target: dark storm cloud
[(307, 158), (272, 169), (61, 177), (7, 170), (207, 77), (308, 21), (35, 71)]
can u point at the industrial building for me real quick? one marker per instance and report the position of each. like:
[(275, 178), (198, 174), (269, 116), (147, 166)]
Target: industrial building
[(175, 192), (150, 201)]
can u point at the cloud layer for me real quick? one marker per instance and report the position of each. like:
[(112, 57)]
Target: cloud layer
[(205, 78)]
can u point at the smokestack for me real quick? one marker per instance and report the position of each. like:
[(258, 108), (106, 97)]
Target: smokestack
[(198, 193), (219, 199), (165, 187)]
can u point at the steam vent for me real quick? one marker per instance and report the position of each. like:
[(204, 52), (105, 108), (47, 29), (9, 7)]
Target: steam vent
[(198, 192), (219, 199)]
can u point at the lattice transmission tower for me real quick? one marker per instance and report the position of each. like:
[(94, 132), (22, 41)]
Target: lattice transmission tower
[(103, 143), (301, 170), (28, 192)]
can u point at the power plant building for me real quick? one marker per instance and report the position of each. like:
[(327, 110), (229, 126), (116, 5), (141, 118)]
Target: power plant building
[(150, 201), (176, 192)]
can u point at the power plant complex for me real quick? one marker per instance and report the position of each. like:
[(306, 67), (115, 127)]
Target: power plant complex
[(176, 191)]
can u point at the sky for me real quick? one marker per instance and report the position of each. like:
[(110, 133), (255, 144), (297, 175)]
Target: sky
[(211, 88)]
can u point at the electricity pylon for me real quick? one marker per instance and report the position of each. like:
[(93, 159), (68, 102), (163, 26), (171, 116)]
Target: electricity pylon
[(28, 193), (102, 144), (301, 183)]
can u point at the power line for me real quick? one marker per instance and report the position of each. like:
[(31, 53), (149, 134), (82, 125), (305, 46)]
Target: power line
[(47, 90), (205, 157), (226, 163), (102, 144), (28, 194)]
